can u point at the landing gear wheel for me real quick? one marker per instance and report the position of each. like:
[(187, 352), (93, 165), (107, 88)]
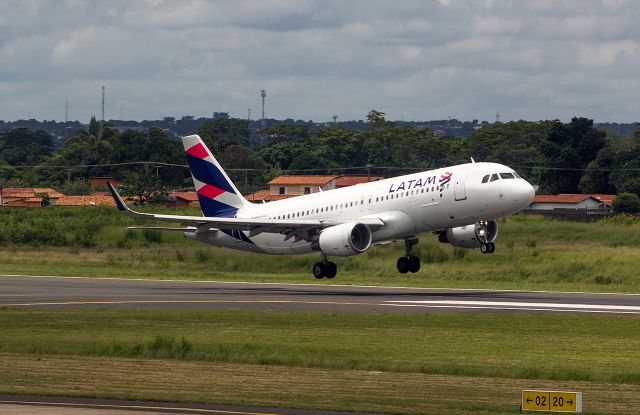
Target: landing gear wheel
[(414, 264), (488, 248), (403, 265), (330, 269), (319, 270)]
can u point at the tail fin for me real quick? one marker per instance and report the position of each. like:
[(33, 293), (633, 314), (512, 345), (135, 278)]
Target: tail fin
[(217, 194)]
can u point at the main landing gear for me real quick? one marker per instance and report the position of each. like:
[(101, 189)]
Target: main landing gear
[(409, 263), (488, 248), (325, 268)]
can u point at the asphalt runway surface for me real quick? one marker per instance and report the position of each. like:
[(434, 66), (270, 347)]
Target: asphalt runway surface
[(20, 292), (39, 405)]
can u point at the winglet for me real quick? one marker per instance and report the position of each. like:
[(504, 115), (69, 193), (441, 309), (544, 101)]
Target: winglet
[(122, 207)]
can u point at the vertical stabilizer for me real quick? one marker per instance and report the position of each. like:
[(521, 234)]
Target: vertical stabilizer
[(218, 196)]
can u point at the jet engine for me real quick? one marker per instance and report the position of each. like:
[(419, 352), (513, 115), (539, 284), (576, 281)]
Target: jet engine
[(346, 239), (471, 236)]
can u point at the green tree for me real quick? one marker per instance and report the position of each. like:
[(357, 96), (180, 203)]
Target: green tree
[(285, 132), (281, 154), (143, 184), (95, 132), (626, 203), (596, 176), (221, 133), (244, 166), (24, 147)]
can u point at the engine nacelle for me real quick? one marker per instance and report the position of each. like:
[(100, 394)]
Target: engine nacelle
[(471, 236), (346, 239)]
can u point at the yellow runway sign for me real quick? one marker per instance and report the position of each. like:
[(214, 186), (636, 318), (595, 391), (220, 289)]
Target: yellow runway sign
[(551, 401)]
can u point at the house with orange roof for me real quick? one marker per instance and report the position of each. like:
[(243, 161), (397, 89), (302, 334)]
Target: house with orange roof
[(27, 196), (189, 199), (575, 202), (300, 185)]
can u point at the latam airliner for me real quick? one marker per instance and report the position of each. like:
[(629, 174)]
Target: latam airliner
[(459, 203)]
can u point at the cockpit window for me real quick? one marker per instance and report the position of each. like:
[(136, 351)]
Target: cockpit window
[(485, 178), (494, 177), (507, 175), (517, 175)]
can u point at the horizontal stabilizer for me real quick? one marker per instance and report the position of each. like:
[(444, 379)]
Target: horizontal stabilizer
[(163, 228)]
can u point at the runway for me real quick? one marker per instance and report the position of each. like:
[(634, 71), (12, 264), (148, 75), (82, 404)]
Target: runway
[(43, 405), (24, 292)]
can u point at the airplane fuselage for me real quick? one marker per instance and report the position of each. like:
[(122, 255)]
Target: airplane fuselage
[(413, 204)]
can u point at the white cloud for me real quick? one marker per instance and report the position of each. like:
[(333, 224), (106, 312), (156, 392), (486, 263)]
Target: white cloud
[(413, 58)]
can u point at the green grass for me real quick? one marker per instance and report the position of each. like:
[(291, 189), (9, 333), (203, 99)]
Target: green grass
[(516, 346), (390, 363), (532, 253)]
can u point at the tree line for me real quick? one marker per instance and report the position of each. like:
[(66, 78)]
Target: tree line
[(559, 157)]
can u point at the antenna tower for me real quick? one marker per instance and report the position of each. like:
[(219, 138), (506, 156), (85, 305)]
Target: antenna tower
[(263, 94), (102, 102), (66, 120)]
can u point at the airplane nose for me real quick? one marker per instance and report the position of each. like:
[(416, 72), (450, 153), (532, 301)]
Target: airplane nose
[(529, 193), (525, 194)]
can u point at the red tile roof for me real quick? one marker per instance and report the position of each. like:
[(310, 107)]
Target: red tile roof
[(311, 180), (190, 196), (90, 200), (29, 201), (573, 198), (53, 194), (14, 192), (261, 195), (344, 181), (22, 192)]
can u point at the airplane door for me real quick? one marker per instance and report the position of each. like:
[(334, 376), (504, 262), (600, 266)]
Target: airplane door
[(459, 186)]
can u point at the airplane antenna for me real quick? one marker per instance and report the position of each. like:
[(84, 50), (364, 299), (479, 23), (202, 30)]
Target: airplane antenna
[(472, 160)]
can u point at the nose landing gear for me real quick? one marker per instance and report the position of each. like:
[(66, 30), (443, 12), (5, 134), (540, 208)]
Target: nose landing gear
[(488, 248), (409, 263)]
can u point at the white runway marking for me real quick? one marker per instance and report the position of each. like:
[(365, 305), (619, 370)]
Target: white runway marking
[(511, 305)]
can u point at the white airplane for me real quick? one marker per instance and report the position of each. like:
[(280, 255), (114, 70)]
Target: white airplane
[(459, 203)]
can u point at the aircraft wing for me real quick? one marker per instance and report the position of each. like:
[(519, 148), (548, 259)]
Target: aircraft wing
[(301, 228)]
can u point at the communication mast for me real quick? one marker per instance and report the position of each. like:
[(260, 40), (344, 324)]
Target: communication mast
[(263, 94), (102, 102), (66, 120)]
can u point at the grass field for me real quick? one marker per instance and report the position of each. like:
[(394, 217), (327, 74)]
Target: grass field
[(367, 362), (532, 253)]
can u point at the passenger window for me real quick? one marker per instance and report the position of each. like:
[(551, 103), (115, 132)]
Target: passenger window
[(485, 179), (494, 177), (507, 176)]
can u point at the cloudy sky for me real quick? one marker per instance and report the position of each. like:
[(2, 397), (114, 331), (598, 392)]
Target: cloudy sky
[(413, 60)]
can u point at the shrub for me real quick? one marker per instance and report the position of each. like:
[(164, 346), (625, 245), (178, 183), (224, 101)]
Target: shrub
[(626, 203), (152, 236)]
